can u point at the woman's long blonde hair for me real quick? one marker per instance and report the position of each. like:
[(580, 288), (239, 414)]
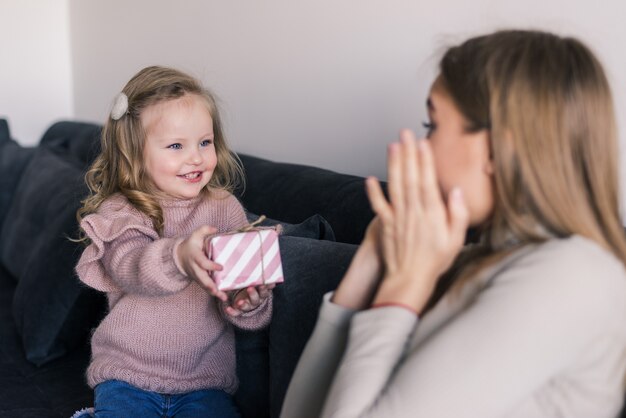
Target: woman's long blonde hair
[(547, 105), (120, 167)]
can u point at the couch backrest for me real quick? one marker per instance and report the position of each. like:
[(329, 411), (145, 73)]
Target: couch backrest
[(293, 192), (13, 160), (80, 141), (282, 191)]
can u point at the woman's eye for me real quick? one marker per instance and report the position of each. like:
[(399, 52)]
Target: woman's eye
[(430, 127), (175, 146), (206, 142)]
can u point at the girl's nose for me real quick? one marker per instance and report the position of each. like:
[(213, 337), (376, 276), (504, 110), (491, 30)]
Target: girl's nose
[(195, 157)]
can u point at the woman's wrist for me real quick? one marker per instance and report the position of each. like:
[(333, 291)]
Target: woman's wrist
[(411, 292), (395, 305), (358, 286)]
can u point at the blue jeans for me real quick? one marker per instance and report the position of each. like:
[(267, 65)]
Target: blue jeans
[(117, 399)]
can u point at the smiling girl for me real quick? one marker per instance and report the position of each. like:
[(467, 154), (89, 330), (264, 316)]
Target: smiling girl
[(159, 187)]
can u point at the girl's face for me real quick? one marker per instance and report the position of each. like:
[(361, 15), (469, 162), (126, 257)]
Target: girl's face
[(461, 158), (179, 151)]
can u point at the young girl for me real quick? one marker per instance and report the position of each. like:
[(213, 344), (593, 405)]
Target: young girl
[(159, 187), (521, 143)]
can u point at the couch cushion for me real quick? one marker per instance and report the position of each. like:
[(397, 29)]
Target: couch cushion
[(314, 227), (36, 249), (54, 390)]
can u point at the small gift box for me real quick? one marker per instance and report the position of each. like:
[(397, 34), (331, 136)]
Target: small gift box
[(249, 258)]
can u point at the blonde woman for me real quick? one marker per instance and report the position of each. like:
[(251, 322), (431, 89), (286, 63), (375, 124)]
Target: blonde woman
[(528, 322)]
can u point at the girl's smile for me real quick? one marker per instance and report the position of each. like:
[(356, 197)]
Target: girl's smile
[(192, 177)]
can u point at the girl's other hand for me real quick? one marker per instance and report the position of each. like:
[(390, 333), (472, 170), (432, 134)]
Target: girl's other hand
[(195, 263), (421, 234), (248, 299)]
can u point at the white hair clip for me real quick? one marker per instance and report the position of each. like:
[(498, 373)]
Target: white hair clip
[(120, 106)]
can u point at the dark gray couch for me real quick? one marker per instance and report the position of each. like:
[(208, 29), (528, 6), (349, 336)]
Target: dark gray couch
[(46, 315)]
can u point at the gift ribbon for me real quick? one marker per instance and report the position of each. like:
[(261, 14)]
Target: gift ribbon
[(252, 225)]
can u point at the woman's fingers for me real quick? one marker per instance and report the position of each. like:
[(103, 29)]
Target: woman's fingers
[(409, 174), (387, 216), (458, 217), (406, 224), (429, 188), (377, 199), (395, 176), (455, 212)]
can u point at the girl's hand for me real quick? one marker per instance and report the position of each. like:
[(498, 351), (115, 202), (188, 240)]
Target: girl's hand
[(195, 263), (421, 234), (248, 299), (358, 286)]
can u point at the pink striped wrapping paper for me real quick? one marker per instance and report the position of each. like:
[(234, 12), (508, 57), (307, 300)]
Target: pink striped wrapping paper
[(249, 258)]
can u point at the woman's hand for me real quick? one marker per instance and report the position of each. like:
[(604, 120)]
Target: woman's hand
[(195, 263), (358, 286), (420, 235), (248, 299)]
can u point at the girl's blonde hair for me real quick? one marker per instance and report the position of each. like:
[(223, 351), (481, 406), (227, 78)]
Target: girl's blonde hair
[(547, 105), (120, 167)]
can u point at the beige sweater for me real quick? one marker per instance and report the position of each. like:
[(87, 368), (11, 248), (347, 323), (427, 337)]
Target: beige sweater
[(163, 333), (541, 334)]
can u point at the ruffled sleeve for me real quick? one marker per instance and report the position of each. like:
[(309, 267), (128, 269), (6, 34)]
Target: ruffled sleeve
[(126, 254)]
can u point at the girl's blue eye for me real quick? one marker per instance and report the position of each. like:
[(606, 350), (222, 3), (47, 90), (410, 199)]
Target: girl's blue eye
[(206, 142), (175, 146)]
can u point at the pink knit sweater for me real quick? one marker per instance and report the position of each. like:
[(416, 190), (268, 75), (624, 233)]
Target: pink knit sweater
[(163, 333)]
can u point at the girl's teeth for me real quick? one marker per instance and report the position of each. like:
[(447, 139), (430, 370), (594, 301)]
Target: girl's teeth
[(191, 175)]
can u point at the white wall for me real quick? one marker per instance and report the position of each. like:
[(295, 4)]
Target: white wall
[(328, 82), (35, 71)]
